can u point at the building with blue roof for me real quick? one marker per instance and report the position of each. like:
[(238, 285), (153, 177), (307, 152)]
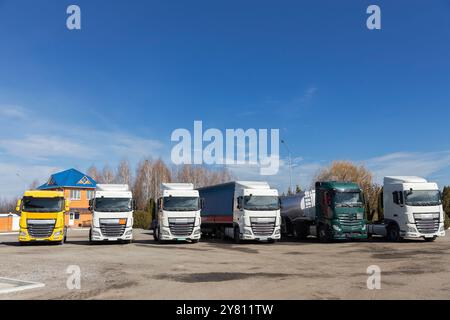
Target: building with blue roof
[(78, 188)]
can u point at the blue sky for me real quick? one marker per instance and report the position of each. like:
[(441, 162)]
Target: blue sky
[(140, 69)]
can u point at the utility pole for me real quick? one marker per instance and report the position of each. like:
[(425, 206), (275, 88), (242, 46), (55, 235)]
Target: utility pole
[(290, 164)]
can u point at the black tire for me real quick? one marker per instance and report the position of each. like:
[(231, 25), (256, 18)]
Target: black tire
[(271, 241), (237, 239), (195, 241), (393, 233), (300, 231), (90, 237), (158, 232), (430, 239), (155, 234), (324, 233), (65, 235)]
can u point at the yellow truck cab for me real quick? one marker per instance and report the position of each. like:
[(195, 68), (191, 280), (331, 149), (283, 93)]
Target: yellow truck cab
[(42, 217)]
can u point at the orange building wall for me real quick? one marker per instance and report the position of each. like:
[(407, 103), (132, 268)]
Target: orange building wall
[(6, 224), (79, 206)]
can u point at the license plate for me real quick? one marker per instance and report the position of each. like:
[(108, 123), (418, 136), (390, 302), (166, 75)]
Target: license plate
[(181, 239)]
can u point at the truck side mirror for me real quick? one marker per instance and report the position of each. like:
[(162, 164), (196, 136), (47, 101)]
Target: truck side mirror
[(19, 204), (280, 206), (66, 205), (239, 203)]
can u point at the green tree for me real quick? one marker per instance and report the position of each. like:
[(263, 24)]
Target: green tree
[(446, 205), (298, 189)]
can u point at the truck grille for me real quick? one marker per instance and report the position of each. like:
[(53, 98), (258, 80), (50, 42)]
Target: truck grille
[(112, 230), (181, 227), (263, 227), (427, 225), (349, 221), (40, 229)]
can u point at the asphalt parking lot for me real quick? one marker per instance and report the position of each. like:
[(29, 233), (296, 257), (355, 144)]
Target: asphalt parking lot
[(214, 269)]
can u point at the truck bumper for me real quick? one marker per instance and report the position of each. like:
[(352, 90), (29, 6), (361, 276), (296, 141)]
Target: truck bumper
[(349, 235), (96, 235), (412, 232), (249, 235), (166, 235), (57, 236)]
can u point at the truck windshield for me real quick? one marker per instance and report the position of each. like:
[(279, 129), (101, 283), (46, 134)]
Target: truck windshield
[(423, 198), (31, 204), (112, 205), (181, 204), (261, 203), (348, 199)]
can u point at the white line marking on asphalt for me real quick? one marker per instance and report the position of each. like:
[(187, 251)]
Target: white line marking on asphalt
[(8, 285)]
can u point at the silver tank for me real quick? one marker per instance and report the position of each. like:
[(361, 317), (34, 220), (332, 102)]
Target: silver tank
[(300, 206)]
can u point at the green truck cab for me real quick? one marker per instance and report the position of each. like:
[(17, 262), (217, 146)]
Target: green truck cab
[(340, 211), (333, 211)]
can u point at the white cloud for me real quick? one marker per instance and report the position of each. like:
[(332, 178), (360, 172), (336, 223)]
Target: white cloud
[(408, 163), (427, 165), (11, 111), (41, 148), (16, 178)]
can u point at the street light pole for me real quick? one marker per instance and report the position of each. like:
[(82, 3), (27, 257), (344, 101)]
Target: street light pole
[(290, 164)]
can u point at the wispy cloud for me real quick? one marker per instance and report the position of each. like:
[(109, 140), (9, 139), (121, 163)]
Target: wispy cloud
[(11, 111), (34, 143), (409, 163), (15, 178), (427, 164)]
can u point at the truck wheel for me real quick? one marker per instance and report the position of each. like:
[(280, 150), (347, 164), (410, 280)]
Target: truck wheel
[(155, 234), (323, 233), (430, 239), (194, 241), (301, 232), (393, 233), (158, 233), (236, 235), (65, 235)]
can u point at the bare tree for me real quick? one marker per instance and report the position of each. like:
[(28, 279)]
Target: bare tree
[(201, 176), (34, 185), (123, 175), (8, 205), (349, 172), (141, 188), (94, 174), (107, 175)]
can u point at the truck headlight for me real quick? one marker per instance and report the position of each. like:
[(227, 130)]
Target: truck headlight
[(23, 234), (57, 234), (360, 216), (248, 232), (197, 231), (411, 229), (336, 228)]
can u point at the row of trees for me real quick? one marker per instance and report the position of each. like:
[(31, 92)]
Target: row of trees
[(149, 174)]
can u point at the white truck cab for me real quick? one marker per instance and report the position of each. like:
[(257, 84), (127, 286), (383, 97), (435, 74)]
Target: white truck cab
[(412, 208), (112, 213), (178, 213), (257, 214)]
